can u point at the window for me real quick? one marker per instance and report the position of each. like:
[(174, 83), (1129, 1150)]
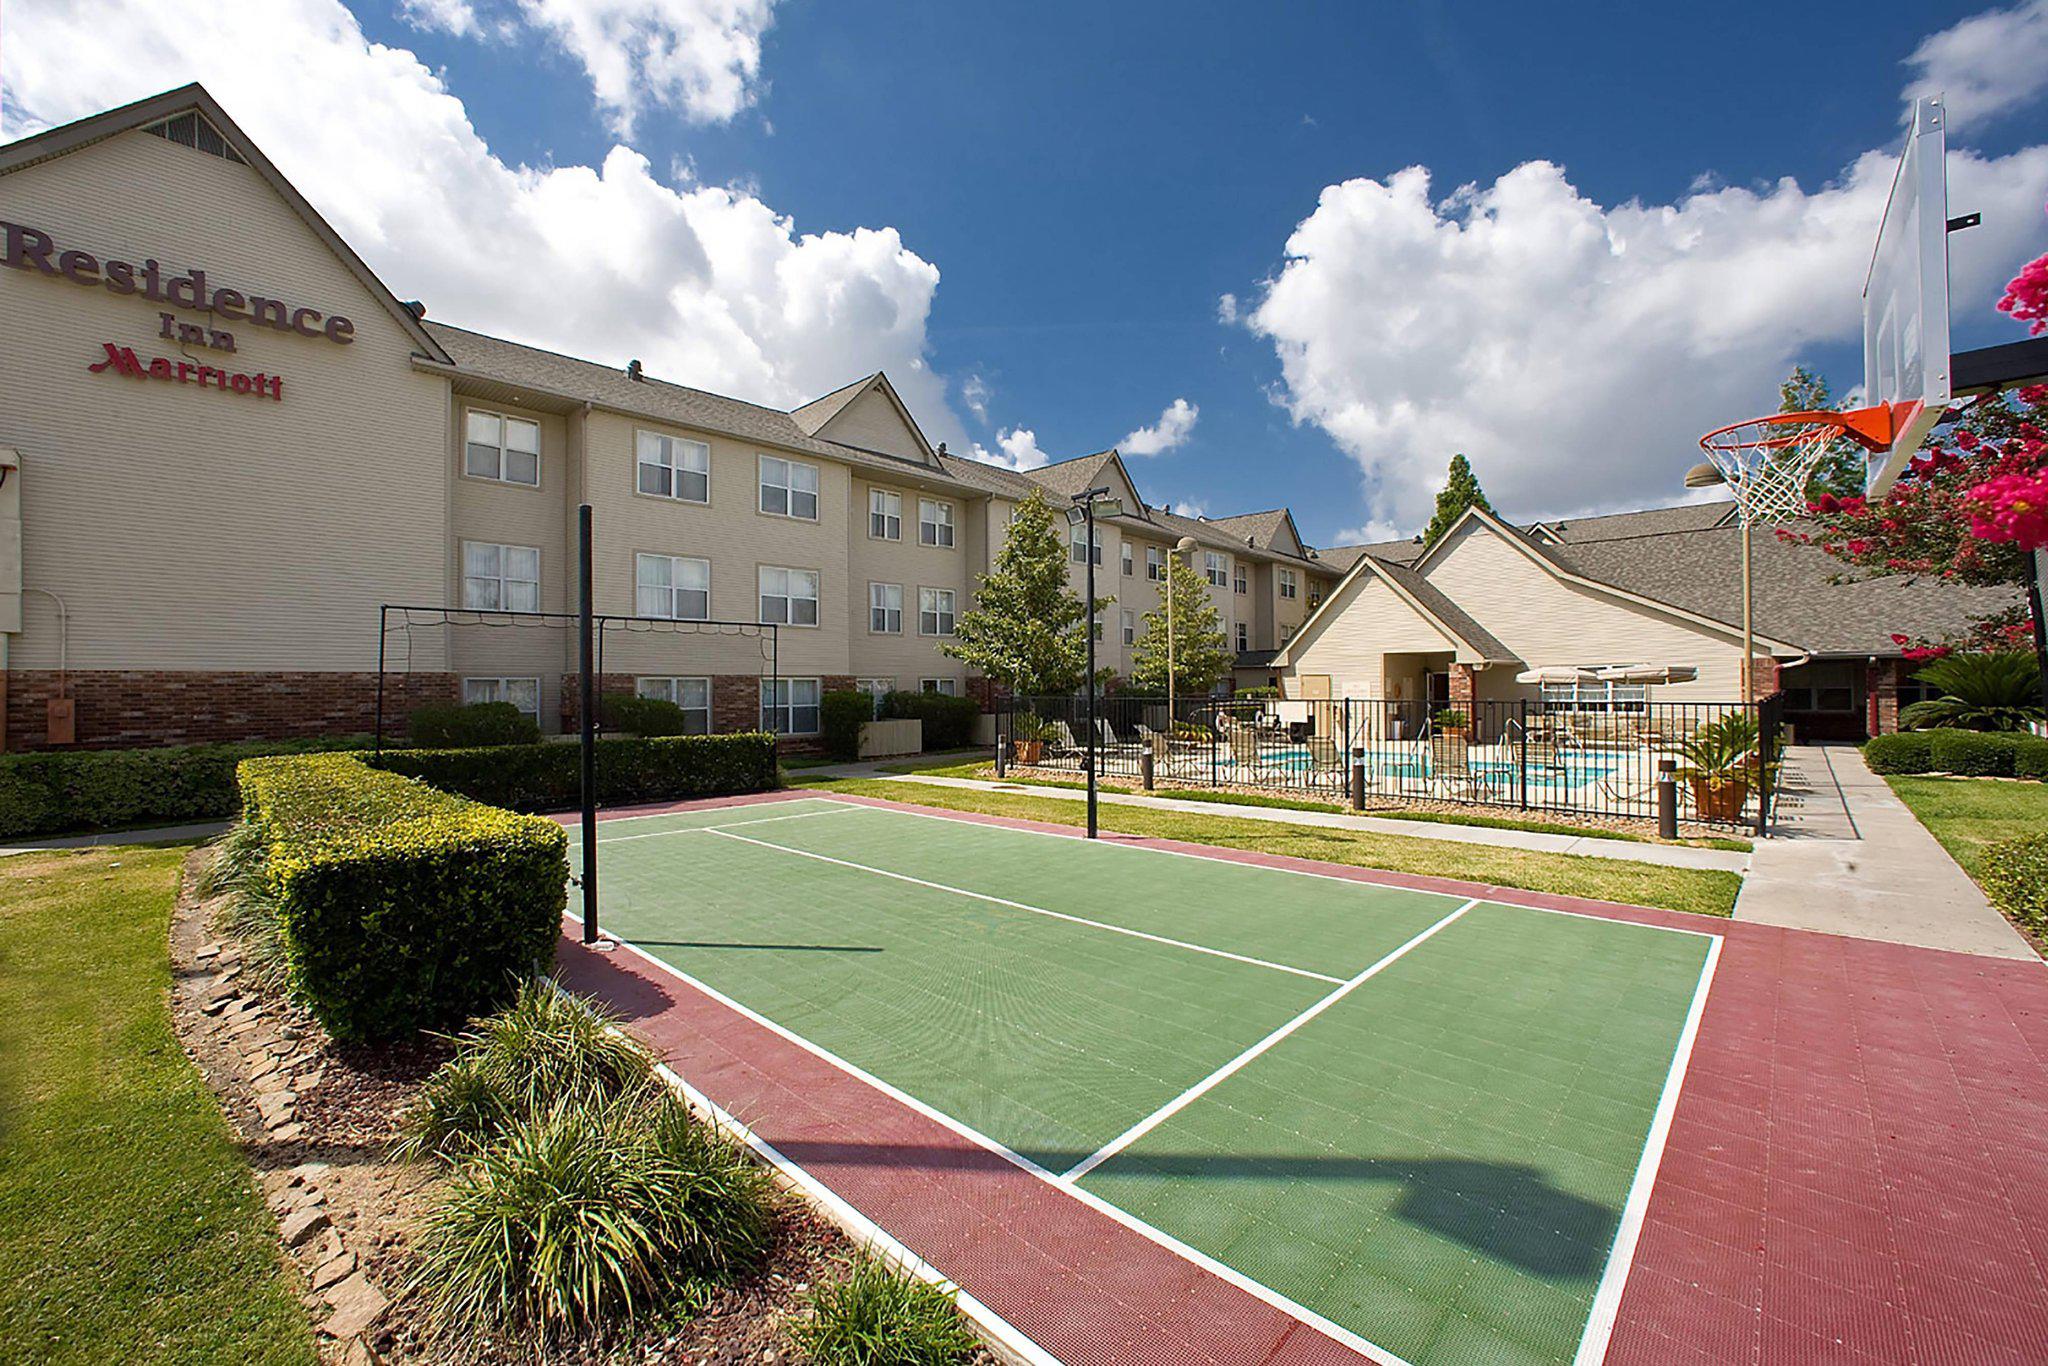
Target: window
[(523, 693), (673, 587), (885, 608), (789, 597), (945, 687), (885, 515), (1290, 586), (876, 689), (1595, 696), (672, 467), (789, 706), (934, 523), (1155, 563), (502, 448), (789, 488), (500, 577), (1077, 543), (1315, 596), (1125, 548), (1286, 634), (1244, 641), (1096, 625), (935, 611), (1219, 569), (1129, 621), (693, 695), (1240, 582)]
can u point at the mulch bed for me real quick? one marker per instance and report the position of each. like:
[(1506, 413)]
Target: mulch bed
[(345, 1208)]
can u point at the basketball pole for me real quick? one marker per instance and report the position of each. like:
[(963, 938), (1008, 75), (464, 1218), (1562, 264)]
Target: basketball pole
[(1748, 621), (586, 709)]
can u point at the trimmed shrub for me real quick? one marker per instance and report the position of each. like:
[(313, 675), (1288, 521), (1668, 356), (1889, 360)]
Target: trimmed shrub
[(2015, 877), (57, 792), (549, 777), (2030, 759), (460, 726), (1264, 692), (876, 1317), (647, 717), (948, 721), (400, 907), (841, 715), (1972, 754), (1909, 751)]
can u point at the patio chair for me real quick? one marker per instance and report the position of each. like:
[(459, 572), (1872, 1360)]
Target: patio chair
[(1325, 756), (1244, 746), (1062, 737), (1450, 766)]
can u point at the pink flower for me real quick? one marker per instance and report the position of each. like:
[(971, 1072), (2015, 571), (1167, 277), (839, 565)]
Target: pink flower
[(2026, 296), (2034, 394), (2012, 507)]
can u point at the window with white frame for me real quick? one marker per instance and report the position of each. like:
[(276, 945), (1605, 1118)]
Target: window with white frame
[(1077, 543), (500, 577), (876, 689), (1244, 638), (523, 693), (503, 448), (1218, 567), (1155, 563), (789, 597), (1286, 634), (673, 467), (1290, 586), (789, 706), (1241, 581), (1129, 622), (789, 488), (885, 609), (1595, 696), (672, 586), (693, 695), (885, 515), (935, 611), (945, 687), (1097, 625), (934, 523), (1125, 550)]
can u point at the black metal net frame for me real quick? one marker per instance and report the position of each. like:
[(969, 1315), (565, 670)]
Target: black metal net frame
[(414, 617)]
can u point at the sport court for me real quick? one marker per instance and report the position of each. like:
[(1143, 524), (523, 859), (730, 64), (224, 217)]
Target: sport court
[(1423, 1124)]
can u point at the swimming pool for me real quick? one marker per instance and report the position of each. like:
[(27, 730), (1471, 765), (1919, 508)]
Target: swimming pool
[(1571, 774)]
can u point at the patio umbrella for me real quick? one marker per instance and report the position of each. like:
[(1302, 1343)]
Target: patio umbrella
[(1647, 673), (1559, 673)]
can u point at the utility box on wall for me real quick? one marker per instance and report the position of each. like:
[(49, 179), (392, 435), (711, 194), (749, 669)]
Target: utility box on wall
[(61, 724)]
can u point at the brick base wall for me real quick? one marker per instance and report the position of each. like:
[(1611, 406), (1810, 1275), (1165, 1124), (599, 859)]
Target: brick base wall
[(1462, 686), (138, 707), (1881, 696)]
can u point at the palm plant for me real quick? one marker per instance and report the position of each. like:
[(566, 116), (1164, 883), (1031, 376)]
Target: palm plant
[(1720, 752), (1978, 692)]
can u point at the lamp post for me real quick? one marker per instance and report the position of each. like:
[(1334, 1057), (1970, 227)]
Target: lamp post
[(1086, 505), (1705, 476)]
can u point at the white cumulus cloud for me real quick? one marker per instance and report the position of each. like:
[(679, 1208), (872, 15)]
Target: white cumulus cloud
[(1016, 449), (1172, 429), (700, 56), (1988, 65), (708, 286), (445, 16)]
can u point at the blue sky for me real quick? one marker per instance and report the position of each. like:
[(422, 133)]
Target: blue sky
[(1088, 181)]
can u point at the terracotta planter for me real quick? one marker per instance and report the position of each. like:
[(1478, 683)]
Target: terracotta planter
[(1719, 801), (1028, 751)]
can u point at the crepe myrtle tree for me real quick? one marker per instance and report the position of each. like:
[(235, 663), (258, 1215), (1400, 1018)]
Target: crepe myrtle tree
[(1202, 653), (1027, 630)]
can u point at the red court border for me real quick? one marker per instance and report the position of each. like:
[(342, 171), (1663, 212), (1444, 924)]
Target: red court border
[(1857, 1171)]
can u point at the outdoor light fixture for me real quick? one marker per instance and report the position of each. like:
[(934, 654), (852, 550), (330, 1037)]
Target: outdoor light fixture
[(1086, 505), (1703, 476)]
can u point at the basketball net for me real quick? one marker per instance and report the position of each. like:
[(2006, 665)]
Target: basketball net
[(1767, 461)]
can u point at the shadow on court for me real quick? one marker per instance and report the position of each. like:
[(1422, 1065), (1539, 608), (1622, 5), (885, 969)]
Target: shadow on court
[(1508, 1211)]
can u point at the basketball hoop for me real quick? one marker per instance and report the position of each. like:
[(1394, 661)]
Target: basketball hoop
[(1766, 461)]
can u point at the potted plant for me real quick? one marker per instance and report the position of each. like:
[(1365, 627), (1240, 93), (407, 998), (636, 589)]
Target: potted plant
[(1718, 761), (1028, 735), (1452, 720)]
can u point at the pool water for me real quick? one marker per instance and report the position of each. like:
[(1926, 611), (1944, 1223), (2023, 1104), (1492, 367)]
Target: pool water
[(1571, 775)]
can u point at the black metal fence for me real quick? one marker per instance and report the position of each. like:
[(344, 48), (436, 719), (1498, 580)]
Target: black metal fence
[(1521, 755)]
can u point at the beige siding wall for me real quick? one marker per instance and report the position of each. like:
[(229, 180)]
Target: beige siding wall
[(1546, 621), (188, 528), (871, 423), (908, 657), (1349, 645)]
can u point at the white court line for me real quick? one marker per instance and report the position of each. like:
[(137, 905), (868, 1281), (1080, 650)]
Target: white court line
[(838, 808), (1021, 906), (1210, 1082), (1621, 1257), (1337, 1332)]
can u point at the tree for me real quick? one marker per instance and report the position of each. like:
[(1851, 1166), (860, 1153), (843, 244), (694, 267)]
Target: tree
[(1978, 692), (1841, 470), (1027, 630), (1460, 491), (1202, 654)]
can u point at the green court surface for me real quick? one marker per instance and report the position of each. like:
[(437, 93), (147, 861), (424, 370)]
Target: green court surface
[(1413, 1119)]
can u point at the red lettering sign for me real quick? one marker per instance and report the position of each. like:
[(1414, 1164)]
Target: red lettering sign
[(122, 360)]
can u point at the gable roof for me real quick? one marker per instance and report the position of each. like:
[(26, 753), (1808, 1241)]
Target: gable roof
[(1272, 529), (817, 416), (1435, 607), (71, 137), (1615, 526)]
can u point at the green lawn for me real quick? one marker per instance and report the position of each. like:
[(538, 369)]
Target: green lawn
[(1966, 814), (130, 1229), (1681, 889)]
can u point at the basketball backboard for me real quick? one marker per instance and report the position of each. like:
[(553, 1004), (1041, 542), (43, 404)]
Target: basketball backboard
[(1906, 360)]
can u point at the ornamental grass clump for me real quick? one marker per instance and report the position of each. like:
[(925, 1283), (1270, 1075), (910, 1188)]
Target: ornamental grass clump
[(876, 1317)]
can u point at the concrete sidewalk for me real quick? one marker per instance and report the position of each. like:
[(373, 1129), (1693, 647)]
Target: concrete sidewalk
[(1627, 851), (1846, 856), (161, 834)]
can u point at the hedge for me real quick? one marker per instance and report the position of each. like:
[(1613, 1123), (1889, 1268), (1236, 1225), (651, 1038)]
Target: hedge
[(56, 792), (841, 715), (2015, 877), (1909, 751), (452, 725), (549, 777), (948, 721), (400, 907), (1972, 754), (2030, 759), (647, 717)]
